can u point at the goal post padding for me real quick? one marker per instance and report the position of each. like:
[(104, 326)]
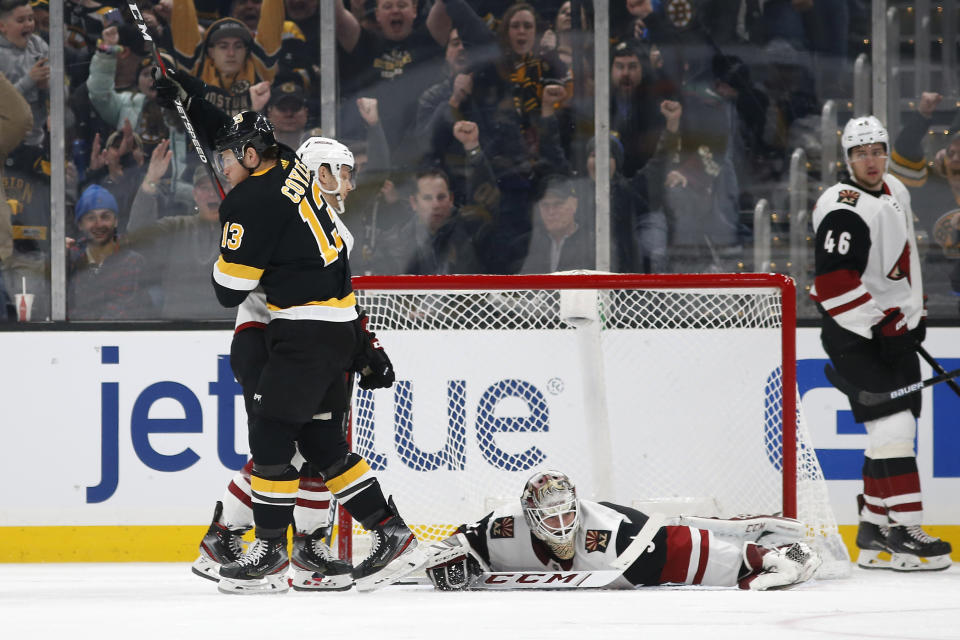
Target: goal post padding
[(665, 389)]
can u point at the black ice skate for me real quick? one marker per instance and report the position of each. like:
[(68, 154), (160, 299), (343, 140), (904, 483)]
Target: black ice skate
[(872, 542), (393, 553), (912, 549), (219, 546), (315, 567), (262, 569)]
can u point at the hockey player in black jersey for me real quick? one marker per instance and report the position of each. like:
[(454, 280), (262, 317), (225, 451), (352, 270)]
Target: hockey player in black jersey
[(314, 565), (869, 290), (279, 233)]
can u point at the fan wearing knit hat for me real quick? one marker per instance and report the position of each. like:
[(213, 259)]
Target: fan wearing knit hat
[(105, 280)]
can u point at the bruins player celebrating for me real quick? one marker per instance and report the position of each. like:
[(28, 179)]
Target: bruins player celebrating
[(279, 232)]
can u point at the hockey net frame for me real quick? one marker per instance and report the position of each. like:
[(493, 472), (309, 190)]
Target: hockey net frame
[(574, 293)]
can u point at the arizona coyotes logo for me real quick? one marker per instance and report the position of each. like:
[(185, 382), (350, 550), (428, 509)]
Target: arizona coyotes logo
[(901, 269), (597, 540), (848, 196), (502, 527)]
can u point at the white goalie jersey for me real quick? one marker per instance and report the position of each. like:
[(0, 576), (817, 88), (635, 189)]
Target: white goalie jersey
[(678, 554)]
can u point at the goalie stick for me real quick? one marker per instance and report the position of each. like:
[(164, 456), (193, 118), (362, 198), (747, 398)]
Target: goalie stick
[(191, 132), (872, 398), (589, 579)]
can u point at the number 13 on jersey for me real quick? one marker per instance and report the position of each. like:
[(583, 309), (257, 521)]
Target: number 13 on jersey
[(328, 240)]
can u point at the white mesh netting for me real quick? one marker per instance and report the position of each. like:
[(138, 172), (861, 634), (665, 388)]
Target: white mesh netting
[(662, 396)]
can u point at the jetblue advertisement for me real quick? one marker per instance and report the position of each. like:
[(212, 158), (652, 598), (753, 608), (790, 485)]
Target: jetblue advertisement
[(146, 428)]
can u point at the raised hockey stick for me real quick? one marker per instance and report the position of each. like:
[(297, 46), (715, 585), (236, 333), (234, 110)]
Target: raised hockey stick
[(142, 25), (936, 367), (502, 580), (871, 398)]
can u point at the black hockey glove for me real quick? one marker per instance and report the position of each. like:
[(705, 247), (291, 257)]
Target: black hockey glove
[(371, 361), (175, 85), (892, 336)]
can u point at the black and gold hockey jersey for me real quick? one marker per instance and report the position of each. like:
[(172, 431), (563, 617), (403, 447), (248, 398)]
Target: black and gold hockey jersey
[(279, 233)]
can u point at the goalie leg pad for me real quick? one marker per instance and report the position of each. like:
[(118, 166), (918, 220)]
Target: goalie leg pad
[(765, 529)]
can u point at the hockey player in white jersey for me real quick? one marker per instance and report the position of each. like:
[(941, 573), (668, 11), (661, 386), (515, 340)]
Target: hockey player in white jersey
[(315, 566), (869, 291), (551, 529)]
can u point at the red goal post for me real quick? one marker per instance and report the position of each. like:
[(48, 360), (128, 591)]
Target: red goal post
[(674, 390)]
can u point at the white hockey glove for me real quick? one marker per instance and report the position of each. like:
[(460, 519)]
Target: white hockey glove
[(453, 564), (781, 568)]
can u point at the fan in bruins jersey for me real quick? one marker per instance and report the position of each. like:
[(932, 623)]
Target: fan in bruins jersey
[(279, 233), (869, 291)]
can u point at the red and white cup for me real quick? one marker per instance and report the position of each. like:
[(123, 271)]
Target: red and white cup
[(24, 305)]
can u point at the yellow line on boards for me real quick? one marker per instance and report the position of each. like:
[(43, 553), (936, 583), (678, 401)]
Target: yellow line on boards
[(180, 543)]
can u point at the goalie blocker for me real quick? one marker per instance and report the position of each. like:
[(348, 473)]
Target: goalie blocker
[(553, 540)]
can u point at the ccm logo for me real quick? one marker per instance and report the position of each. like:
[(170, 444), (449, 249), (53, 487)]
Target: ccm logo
[(532, 578)]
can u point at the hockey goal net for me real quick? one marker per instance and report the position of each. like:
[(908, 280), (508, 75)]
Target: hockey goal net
[(672, 393)]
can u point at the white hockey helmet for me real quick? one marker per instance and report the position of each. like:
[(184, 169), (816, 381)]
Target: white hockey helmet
[(860, 131), (552, 510), (317, 151)]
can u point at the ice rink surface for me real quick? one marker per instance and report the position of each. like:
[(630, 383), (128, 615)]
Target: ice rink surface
[(103, 601)]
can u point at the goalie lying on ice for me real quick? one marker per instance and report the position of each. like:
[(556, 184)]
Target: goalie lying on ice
[(551, 530)]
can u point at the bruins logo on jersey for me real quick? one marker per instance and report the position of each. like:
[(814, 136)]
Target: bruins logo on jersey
[(848, 196), (597, 540), (502, 527)]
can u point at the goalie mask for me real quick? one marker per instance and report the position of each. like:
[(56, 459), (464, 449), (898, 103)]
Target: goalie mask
[(552, 511), (861, 131), (316, 152)]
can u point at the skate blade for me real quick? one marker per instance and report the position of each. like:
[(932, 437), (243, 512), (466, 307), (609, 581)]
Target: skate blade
[(277, 583), (206, 568), (873, 559), (310, 581), (403, 565), (908, 562)]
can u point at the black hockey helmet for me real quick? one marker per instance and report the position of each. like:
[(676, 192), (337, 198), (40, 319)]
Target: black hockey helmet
[(246, 129)]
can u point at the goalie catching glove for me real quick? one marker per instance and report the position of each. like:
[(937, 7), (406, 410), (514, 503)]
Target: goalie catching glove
[(453, 565), (371, 361)]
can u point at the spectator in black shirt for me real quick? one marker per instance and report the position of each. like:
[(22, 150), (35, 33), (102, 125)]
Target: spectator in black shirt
[(394, 66), (634, 111)]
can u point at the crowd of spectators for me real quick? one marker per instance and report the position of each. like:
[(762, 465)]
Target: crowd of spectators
[(471, 122)]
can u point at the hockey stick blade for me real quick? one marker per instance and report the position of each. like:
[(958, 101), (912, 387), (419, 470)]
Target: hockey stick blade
[(873, 398)]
